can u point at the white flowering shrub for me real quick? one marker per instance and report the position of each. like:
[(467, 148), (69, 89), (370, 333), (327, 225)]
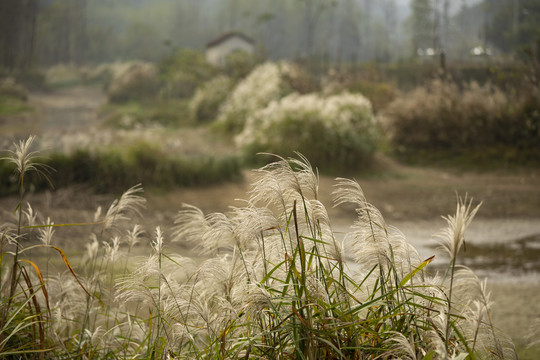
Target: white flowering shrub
[(204, 105), (263, 85), (335, 131)]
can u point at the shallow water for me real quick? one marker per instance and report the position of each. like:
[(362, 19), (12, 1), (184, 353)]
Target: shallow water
[(500, 249)]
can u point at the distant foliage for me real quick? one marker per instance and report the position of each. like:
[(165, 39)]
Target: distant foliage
[(106, 73), (135, 115), (441, 116), (10, 88), (379, 93), (337, 131), (266, 83), (205, 104), (139, 82), (13, 97), (63, 76), (114, 169), (239, 64), (182, 72)]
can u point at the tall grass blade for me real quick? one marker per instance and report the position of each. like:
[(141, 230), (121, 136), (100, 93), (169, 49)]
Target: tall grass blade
[(416, 270), (66, 261)]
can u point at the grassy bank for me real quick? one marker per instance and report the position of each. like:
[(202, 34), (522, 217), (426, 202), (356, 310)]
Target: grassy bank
[(114, 169)]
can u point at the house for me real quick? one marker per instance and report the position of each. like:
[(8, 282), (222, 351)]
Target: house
[(217, 50)]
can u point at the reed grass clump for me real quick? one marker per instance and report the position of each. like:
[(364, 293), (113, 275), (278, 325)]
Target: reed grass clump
[(277, 283)]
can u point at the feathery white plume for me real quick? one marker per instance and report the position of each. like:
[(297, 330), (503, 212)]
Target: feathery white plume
[(453, 236)]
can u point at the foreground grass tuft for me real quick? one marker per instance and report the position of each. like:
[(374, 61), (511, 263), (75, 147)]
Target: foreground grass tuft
[(277, 283)]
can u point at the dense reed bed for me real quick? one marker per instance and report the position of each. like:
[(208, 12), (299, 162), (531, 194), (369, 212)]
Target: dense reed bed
[(277, 282)]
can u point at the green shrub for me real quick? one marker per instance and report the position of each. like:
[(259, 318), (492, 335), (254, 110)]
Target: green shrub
[(238, 64), (138, 83), (442, 117), (335, 132), (368, 82), (10, 88), (114, 169), (182, 72), (204, 106), (13, 97), (380, 94), (59, 76), (12, 106), (134, 114), (31, 79)]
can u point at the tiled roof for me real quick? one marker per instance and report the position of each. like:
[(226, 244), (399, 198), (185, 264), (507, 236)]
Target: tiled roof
[(227, 36)]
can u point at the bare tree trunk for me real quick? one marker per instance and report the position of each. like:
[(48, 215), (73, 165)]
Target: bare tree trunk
[(446, 24), (17, 33), (10, 28), (436, 26), (80, 40), (515, 17), (309, 19), (28, 33)]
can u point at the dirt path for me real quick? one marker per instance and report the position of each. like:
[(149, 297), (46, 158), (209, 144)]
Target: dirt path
[(69, 110), (60, 111)]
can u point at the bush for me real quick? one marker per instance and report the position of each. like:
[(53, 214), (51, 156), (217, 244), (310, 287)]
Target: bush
[(10, 88), (263, 85), (31, 79), (13, 97), (182, 72), (335, 132), (148, 113), (59, 76), (208, 98), (379, 92), (138, 83), (442, 117), (114, 169), (239, 64)]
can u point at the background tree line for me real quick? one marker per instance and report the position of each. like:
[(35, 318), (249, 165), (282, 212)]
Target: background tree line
[(47, 32)]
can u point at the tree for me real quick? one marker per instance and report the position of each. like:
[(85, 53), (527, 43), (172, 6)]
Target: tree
[(422, 23), (514, 25), (17, 33), (313, 10), (62, 35)]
